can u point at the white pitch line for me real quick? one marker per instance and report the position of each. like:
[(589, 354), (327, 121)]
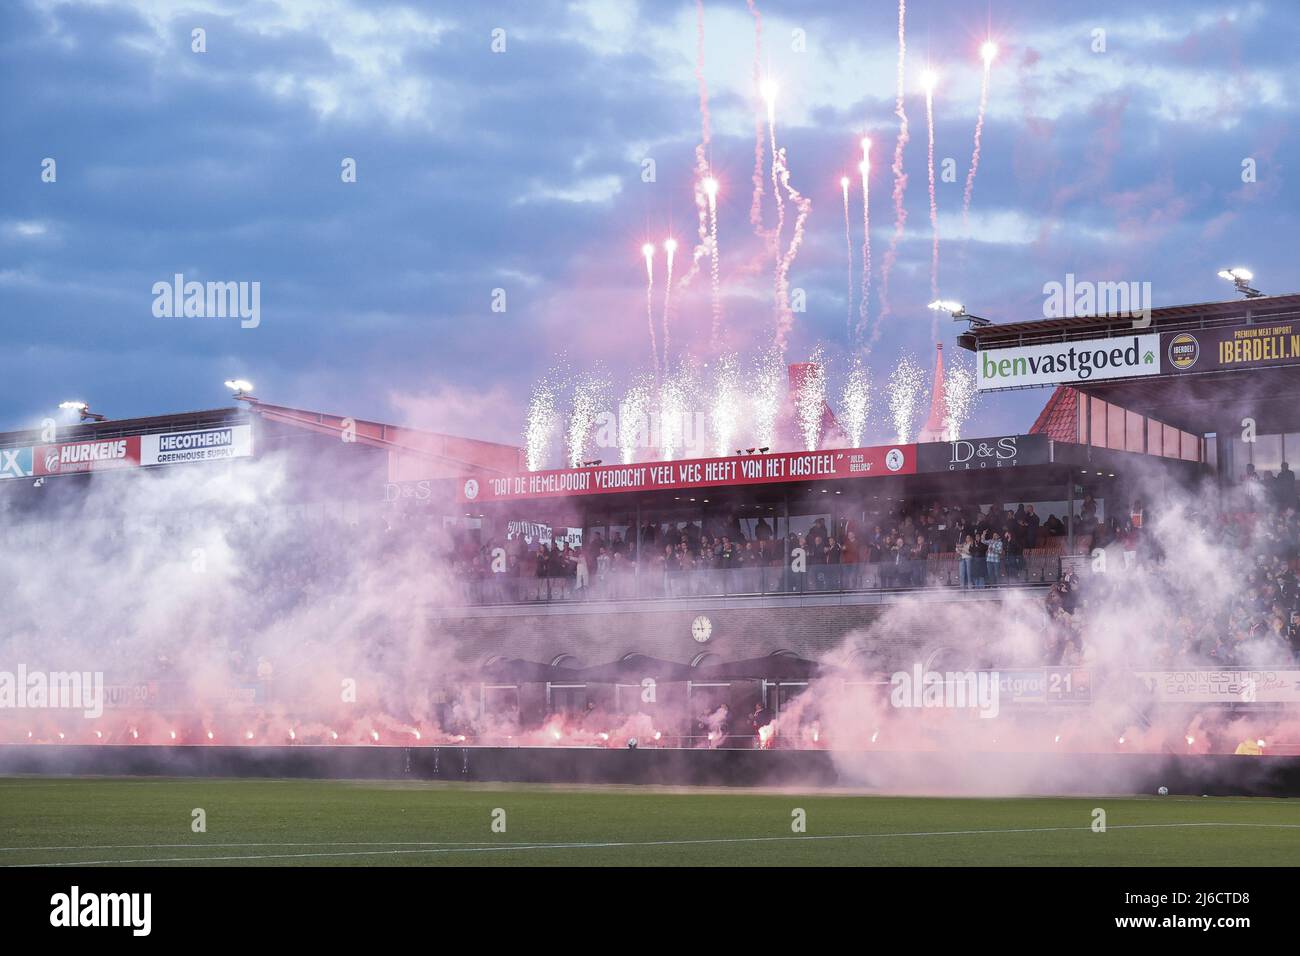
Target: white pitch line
[(199, 846), (626, 844)]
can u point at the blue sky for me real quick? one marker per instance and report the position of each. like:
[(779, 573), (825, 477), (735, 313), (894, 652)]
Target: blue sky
[(522, 170)]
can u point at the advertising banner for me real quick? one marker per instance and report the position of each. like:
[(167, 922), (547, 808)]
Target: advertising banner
[(1059, 363), (204, 444), (1238, 346), (978, 454), (80, 456), (695, 474), (1043, 685), (1223, 686), (16, 462)]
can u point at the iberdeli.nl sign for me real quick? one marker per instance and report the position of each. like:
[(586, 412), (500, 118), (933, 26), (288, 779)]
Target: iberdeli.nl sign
[(1058, 363), (1242, 346)]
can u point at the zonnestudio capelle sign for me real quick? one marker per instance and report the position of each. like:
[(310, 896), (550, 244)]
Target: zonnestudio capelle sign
[(1059, 363)]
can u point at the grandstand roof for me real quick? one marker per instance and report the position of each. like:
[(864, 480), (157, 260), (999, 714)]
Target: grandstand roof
[(1199, 401), (1202, 315), (413, 454)]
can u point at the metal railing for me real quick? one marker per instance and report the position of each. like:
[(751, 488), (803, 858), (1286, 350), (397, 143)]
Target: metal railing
[(937, 571)]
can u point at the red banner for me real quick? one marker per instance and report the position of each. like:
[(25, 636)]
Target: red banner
[(830, 465), (71, 457)]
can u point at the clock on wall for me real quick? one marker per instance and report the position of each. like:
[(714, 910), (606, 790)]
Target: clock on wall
[(701, 629)]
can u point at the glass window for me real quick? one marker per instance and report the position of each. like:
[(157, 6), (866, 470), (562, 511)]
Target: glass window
[(1291, 449), (1098, 435), (1116, 427), (1266, 454), (1134, 432), (1172, 444)]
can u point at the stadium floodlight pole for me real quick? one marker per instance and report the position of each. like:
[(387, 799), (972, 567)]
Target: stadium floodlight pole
[(1241, 279), (242, 389), (82, 409), (958, 312)]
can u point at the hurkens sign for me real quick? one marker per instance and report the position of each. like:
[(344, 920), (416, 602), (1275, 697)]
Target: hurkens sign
[(1057, 363), (205, 444)]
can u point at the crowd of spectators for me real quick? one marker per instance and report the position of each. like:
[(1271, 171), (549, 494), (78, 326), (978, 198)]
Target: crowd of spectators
[(1244, 613), (896, 549)]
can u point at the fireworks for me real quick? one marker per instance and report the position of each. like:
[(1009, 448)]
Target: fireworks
[(540, 425), (588, 396), (855, 404), (711, 191), (724, 414), (810, 402), (768, 92), (900, 177), (804, 205), (633, 420), (930, 79), (906, 384), (864, 168), (987, 52), (766, 397), (648, 250), (670, 250), (672, 415), (959, 394), (848, 246), (756, 202)]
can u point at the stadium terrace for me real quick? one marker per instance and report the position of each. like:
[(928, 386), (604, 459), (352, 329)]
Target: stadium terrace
[(714, 603)]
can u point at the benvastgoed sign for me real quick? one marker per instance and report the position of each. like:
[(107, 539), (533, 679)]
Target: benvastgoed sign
[(1057, 363)]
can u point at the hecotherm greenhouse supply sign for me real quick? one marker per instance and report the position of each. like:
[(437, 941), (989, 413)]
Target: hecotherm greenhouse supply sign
[(1060, 363), (203, 444)]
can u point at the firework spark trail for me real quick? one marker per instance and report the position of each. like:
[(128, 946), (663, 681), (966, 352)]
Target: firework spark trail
[(724, 415), (633, 420), (905, 387), (708, 225), (702, 174), (865, 169), (648, 250), (670, 249), (810, 401), (766, 396), (959, 395), (778, 160), (756, 203), (934, 208), (988, 51), (706, 129), (672, 414), (702, 213), (848, 245), (855, 404), (900, 177), (540, 424), (804, 205), (714, 256), (589, 394)]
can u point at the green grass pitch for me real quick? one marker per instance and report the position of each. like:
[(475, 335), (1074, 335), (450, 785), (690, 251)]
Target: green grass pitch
[(113, 821)]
